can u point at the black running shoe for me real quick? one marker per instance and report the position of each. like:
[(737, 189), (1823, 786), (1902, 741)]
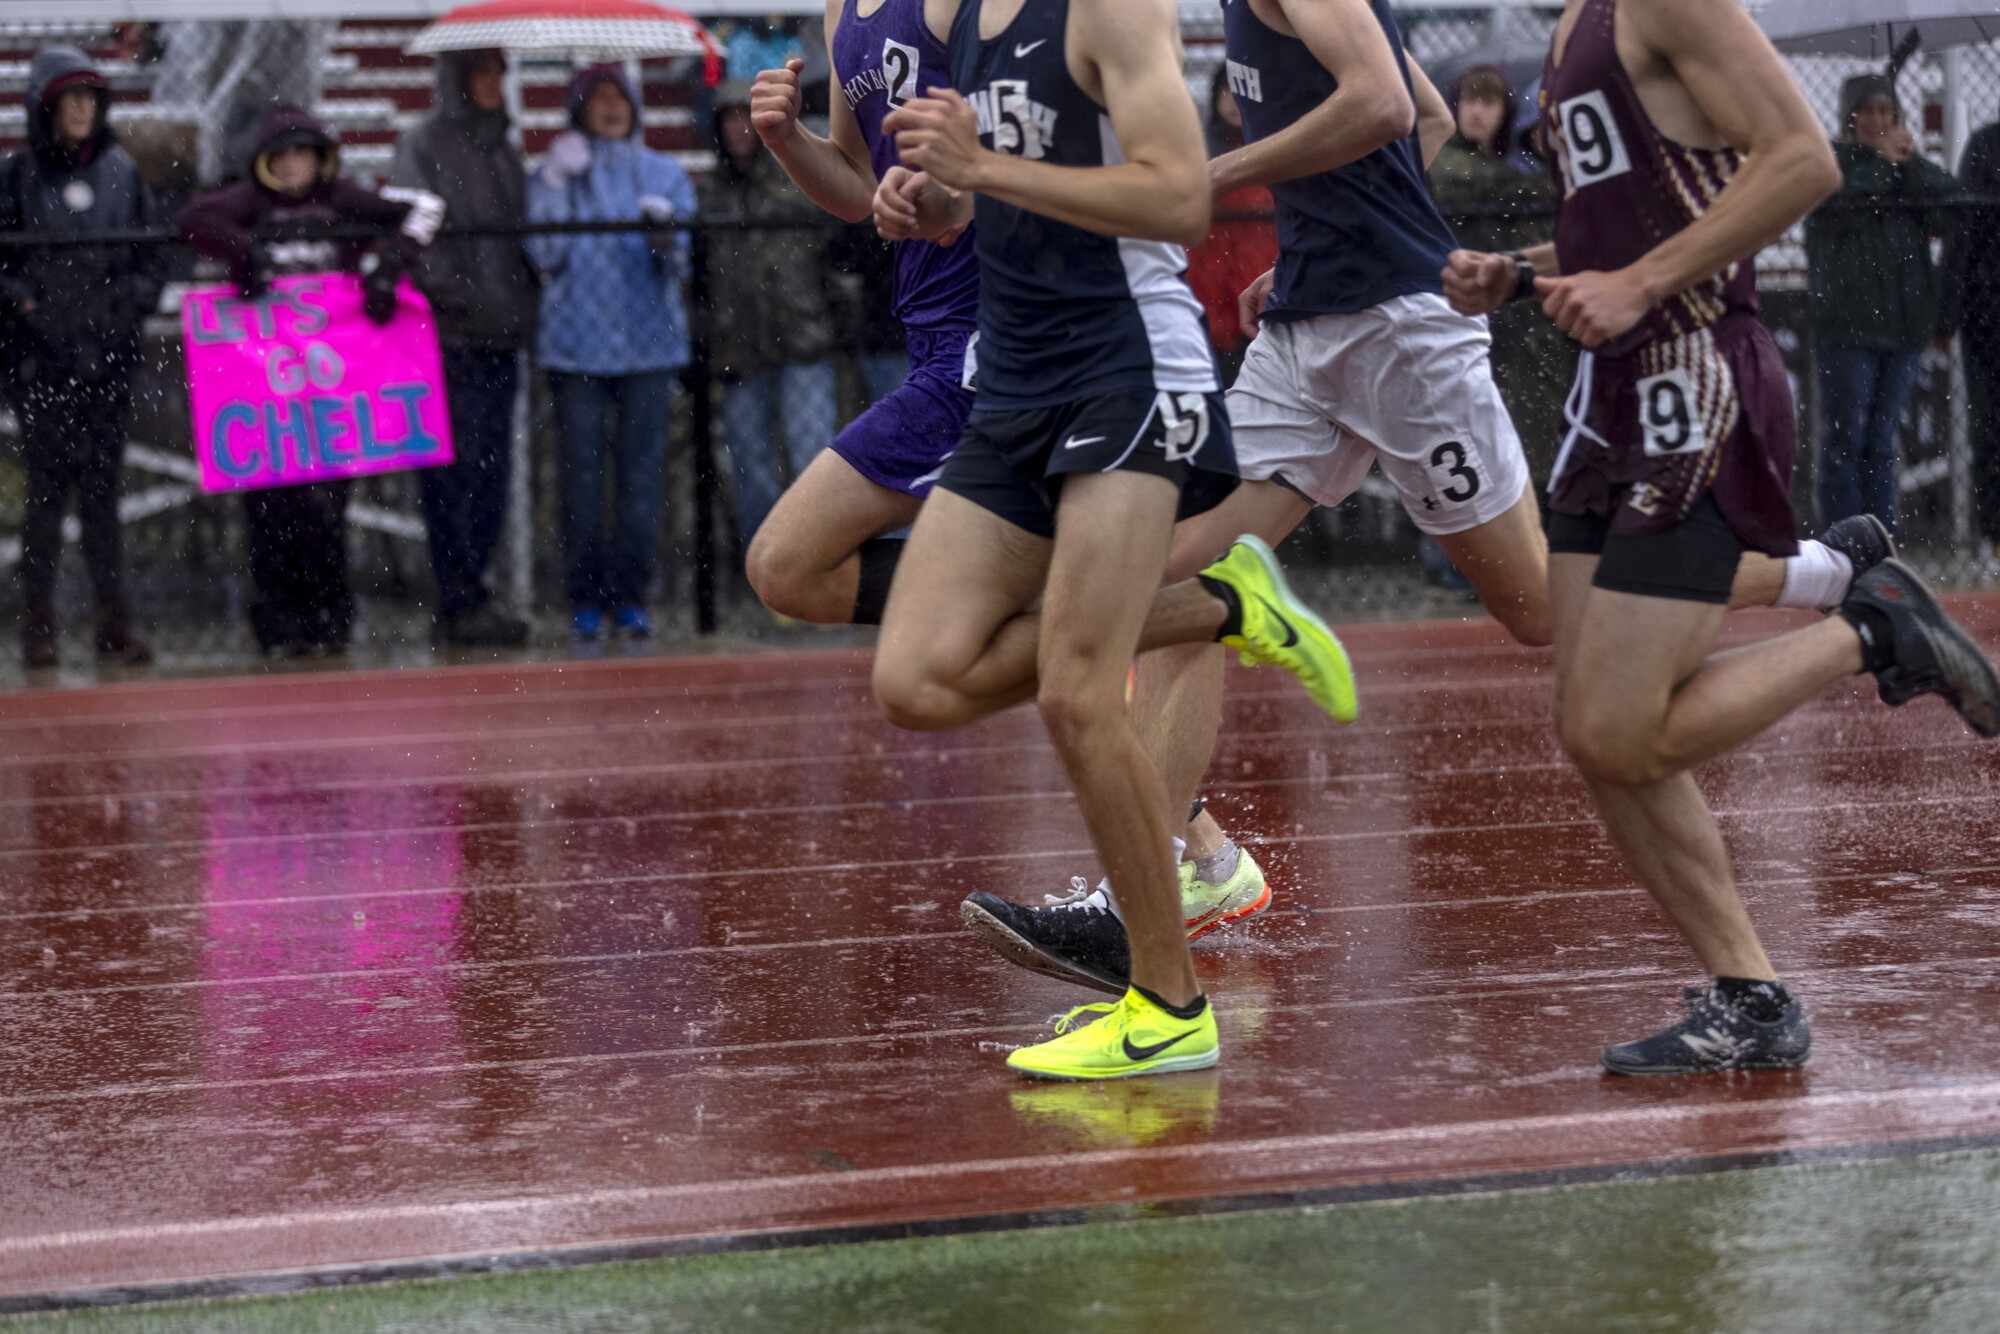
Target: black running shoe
[(1863, 539), (1078, 939), (1931, 655), (1716, 1036)]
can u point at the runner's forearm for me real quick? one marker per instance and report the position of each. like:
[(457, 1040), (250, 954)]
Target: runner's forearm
[(829, 177), (1133, 199), (1345, 128), (1772, 190)]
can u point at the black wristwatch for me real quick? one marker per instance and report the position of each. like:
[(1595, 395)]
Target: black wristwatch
[(1524, 276)]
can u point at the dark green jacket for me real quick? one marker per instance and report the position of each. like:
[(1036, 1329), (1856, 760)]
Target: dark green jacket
[(1464, 180), (1868, 253)]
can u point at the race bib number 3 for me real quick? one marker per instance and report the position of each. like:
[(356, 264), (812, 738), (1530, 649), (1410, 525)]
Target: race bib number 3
[(1670, 415), (1455, 476)]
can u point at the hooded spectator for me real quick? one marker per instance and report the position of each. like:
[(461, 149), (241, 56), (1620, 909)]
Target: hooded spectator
[(1875, 299), (1494, 205), (770, 326), (483, 292), (613, 335), (298, 534), (74, 315)]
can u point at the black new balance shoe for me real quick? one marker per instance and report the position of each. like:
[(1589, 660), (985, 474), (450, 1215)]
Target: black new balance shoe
[(1863, 539), (1716, 1036), (1927, 652), (1078, 939)]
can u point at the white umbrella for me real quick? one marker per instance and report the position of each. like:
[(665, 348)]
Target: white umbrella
[(1874, 28), (608, 28)]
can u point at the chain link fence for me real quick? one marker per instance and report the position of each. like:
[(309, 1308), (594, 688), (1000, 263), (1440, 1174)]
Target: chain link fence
[(736, 434)]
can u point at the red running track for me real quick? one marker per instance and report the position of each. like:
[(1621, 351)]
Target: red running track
[(305, 975)]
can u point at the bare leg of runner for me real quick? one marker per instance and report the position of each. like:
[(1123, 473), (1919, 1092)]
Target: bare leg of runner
[(805, 560)]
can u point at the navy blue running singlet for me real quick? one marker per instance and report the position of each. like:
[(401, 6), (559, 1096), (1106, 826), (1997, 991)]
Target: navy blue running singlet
[(1351, 238), (1064, 314)]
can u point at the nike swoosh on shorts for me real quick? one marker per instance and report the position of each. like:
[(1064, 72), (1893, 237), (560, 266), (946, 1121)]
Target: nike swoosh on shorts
[(1078, 442)]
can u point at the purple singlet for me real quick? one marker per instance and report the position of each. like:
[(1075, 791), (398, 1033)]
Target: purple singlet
[(880, 62)]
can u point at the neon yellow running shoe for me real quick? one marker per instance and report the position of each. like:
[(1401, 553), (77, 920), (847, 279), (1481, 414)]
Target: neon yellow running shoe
[(1134, 1037), (1280, 631), (1207, 905)]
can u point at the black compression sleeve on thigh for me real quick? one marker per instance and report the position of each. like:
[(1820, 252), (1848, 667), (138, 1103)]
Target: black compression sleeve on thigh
[(878, 566)]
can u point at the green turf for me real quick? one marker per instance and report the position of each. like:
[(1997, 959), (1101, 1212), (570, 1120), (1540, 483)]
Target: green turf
[(1884, 1246)]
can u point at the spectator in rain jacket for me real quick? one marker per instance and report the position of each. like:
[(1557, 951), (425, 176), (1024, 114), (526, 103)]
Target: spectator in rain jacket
[(771, 320), (1972, 311), (1533, 363), (484, 293), (1875, 300), (298, 534), (613, 336), (73, 317)]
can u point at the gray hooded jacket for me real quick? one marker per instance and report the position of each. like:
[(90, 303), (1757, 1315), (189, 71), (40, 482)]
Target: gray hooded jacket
[(73, 310), (483, 289)]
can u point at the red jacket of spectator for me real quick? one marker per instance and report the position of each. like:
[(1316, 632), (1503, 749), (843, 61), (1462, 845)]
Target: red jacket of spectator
[(1237, 250)]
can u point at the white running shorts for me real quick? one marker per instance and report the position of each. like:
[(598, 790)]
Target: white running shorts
[(1406, 384)]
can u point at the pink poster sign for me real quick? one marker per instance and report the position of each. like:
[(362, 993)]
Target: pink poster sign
[(300, 386)]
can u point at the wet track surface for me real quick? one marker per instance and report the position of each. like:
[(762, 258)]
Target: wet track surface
[(330, 971)]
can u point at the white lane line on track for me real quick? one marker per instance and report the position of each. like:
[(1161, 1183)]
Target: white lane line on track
[(1229, 744), (665, 878), (156, 847), (1598, 980)]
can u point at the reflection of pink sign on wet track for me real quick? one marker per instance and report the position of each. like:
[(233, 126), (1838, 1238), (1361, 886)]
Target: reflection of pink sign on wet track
[(300, 386)]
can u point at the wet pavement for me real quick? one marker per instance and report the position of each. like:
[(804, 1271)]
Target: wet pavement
[(328, 970)]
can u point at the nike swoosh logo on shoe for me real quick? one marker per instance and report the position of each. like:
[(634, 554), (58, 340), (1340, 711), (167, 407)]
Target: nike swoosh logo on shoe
[(1291, 635), (1133, 1053)]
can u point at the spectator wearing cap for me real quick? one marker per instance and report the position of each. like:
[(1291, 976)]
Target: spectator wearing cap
[(771, 328), (484, 293), (298, 534), (1875, 297), (73, 316), (613, 336)]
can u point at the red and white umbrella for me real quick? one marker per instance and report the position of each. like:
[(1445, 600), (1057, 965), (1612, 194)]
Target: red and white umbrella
[(608, 28)]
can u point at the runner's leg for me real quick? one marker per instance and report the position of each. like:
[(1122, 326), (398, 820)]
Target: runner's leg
[(1113, 533), (1640, 700), (1177, 702), (805, 560), (928, 683)]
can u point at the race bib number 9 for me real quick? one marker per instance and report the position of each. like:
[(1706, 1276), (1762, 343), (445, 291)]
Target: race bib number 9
[(1592, 150), (1670, 415)]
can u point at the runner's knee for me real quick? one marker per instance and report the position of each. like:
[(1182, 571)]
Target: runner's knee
[(781, 576), (1609, 748), (913, 696), (1078, 696)]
